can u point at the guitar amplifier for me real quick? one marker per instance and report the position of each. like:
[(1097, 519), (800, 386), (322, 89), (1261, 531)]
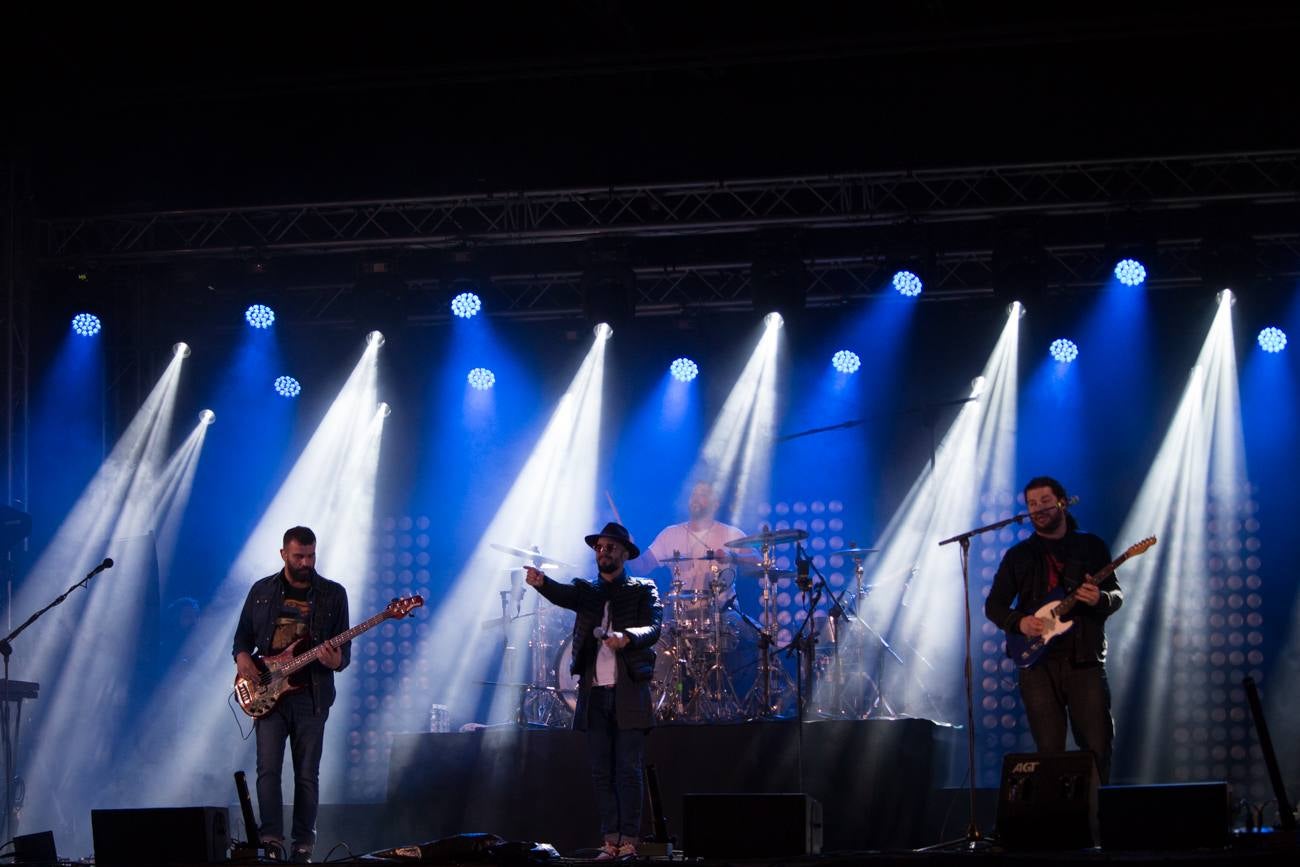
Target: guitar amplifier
[(1048, 801), (159, 836)]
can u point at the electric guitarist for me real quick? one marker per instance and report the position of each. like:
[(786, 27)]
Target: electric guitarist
[(1068, 683), (294, 603)]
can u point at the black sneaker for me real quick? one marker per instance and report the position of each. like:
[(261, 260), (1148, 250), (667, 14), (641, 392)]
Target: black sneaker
[(301, 856)]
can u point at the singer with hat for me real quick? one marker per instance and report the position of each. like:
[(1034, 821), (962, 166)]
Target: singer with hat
[(1068, 683), (616, 626)]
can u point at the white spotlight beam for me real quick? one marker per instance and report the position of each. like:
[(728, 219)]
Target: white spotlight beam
[(175, 483), (552, 505), (1162, 626), (737, 453), (330, 488), (85, 652), (968, 484)]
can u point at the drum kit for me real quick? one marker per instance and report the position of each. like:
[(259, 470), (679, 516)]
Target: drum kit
[(708, 644)]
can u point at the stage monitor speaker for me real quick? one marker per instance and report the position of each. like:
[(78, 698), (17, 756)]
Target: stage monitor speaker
[(35, 848), (1048, 801), (751, 826), (1175, 816), (165, 835)]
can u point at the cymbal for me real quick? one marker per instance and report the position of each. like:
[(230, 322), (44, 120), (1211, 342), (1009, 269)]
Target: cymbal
[(771, 537), (537, 558), (688, 596), (856, 552), (678, 558)]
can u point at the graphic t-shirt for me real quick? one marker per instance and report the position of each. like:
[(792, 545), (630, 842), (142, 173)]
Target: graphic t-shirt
[(292, 622)]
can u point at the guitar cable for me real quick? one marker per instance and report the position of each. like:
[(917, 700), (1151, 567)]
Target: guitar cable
[(230, 703)]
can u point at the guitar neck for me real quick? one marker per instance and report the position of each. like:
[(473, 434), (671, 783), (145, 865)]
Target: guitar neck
[(1102, 574), (337, 641)]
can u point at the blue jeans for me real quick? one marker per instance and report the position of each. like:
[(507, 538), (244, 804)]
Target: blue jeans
[(615, 756), (294, 717), (1056, 687)]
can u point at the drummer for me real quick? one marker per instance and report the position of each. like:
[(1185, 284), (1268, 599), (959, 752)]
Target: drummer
[(695, 552)]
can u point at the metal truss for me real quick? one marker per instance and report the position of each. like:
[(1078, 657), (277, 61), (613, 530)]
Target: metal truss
[(548, 217)]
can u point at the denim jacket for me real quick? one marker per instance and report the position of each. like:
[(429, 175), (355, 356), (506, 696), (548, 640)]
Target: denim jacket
[(329, 617)]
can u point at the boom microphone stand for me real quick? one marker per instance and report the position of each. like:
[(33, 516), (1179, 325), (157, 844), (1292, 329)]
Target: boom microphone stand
[(973, 839)]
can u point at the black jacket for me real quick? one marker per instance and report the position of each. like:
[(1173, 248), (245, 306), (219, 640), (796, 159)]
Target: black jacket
[(634, 610), (329, 617), (1020, 587)]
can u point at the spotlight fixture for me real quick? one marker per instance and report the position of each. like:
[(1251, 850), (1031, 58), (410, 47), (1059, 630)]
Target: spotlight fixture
[(287, 386), (1016, 308), (684, 370), (603, 331), (907, 283), (1226, 295), (375, 339), (481, 378), (1272, 339), (846, 361), (1063, 350), (181, 349), (384, 409), (977, 386), (1130, 272), (207, 416), (466, 305), (259, 316), (86, 325), (773, 320)]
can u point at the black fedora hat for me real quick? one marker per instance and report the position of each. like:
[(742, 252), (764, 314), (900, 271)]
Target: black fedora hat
[(619, 534)]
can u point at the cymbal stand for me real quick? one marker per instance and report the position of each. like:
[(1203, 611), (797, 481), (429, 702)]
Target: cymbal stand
[(857, 615), (716, 686), (761, 701), (677, 689), (545, 707)]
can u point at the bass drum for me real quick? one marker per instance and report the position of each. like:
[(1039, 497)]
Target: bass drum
[(661, 689)]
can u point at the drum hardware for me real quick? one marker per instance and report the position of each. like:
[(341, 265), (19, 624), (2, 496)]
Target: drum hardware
[(535, 558), (766, 697)]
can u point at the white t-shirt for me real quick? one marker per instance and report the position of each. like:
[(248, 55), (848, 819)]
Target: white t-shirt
[(696, 574)]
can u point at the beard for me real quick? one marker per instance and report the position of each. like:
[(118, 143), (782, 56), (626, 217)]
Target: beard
[(1050, 520)]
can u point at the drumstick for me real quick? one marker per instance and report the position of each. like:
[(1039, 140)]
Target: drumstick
[(613, 508)]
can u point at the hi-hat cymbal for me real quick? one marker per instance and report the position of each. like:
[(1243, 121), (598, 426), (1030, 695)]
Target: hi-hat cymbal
[(535, 557), (770, 574), (771, 537), (856, 552)]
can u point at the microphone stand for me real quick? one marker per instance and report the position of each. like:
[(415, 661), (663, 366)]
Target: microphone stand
[(973, 838), (11, 744)]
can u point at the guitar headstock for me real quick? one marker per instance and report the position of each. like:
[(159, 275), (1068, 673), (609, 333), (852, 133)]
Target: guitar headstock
[(1140, 547), (399, 608)]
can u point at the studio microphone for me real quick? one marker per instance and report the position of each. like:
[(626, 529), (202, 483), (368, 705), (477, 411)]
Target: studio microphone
[(801, 563)]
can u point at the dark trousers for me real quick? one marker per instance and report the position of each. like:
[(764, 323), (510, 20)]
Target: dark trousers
[(615, 756), (293, 718), (1056, 688)]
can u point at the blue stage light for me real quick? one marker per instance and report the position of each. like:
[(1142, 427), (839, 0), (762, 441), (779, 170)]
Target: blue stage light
[(466, 304), (259, 316), (482, 379), (907, 284), (287, 386), (846, 361), (684, 370), (86, 324), (1063, 350), (1130, 272), (1272, 339)]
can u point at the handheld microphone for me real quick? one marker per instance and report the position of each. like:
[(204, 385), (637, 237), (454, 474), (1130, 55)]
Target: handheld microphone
[(107, 564), (599, 633)]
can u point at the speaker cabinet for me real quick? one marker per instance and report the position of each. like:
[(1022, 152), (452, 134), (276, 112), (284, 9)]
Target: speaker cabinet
[(1048, 801), (1176, 816), (751, 826), (167, 835)]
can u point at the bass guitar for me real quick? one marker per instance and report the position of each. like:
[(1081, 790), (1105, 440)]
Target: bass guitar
[(1026, 650), (257, 697)]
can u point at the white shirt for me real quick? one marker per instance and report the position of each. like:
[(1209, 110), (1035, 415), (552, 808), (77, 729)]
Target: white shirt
[(696, 574), (606, 662)]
